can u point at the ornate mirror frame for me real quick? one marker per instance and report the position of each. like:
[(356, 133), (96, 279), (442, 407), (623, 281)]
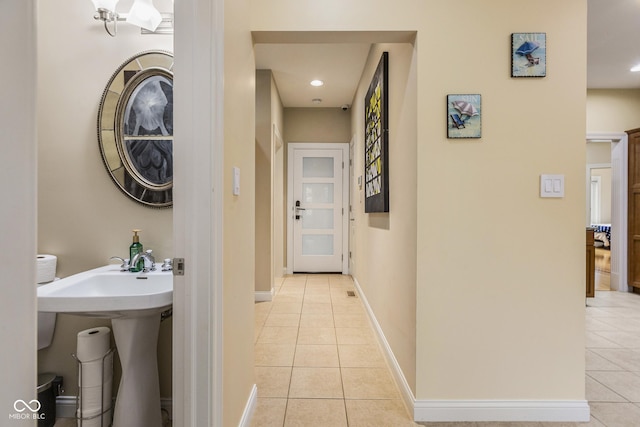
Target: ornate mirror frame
[(135, 128)]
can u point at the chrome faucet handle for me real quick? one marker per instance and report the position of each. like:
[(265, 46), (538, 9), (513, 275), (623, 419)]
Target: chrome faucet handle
[(124, 266), (149, 260), (167, 265)]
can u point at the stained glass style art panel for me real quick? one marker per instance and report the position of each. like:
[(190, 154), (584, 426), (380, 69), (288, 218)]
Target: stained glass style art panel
[(376, 133)]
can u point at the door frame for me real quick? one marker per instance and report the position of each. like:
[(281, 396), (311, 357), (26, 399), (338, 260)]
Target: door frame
[(597, 196), (198, 214), (591, 166), (344, 146), (619, 205)]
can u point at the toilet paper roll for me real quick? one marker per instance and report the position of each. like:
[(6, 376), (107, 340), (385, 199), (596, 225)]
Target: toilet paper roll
[(92, 372), (93, 419), (93, 344), (45, 268), (93, 401)]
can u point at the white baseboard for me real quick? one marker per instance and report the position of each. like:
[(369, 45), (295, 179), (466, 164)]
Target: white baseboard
[(66, 406), (407, 395), (502, 410), (250, 408), (474, 410), (263, 296)]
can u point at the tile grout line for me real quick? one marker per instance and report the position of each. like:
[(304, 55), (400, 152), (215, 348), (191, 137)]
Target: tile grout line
[(344, 395), (293, 361), (608, 388)]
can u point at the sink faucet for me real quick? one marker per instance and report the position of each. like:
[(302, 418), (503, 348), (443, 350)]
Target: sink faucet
[(149, 260), (125, 263)]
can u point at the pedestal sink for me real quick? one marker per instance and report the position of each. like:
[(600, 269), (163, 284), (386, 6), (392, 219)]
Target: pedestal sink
[(133, 302)]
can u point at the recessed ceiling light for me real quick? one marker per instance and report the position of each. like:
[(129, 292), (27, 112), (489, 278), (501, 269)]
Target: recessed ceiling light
[(316, 100), (317, 82), (635, 68)]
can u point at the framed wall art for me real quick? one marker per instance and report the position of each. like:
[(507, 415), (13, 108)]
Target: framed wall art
[(528, 55), (376, 140), (464, 116)]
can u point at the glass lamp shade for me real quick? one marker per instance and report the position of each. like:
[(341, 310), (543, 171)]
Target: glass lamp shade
[(105, 4), (144, 14)]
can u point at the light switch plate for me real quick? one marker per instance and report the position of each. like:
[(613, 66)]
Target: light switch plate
[(236, 181), (551, 185)]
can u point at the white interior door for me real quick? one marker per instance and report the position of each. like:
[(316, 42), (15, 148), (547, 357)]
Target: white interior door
[(317, 209)]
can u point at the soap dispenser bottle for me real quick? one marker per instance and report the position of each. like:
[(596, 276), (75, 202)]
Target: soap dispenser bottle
[(134, 249)]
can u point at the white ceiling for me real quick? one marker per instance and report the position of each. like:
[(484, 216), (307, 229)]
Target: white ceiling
[(295, 65), (613, 36), (613, 33)]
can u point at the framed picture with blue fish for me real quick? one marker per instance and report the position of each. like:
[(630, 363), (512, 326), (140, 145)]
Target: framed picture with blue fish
[(528, 55), (464, 116)]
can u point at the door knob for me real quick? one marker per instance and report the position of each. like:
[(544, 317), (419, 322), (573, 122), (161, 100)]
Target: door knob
[(298, 209)]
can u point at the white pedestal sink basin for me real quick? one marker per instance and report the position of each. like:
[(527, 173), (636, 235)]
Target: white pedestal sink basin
[(133, 302)]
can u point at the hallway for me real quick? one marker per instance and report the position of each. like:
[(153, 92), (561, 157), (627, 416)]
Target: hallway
[(318, 364), (317, 360)]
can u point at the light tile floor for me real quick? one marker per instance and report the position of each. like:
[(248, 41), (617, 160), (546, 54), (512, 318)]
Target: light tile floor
[(318, 362), (613, 358)]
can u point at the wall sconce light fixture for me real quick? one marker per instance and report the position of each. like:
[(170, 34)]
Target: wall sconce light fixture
[(142, 14)]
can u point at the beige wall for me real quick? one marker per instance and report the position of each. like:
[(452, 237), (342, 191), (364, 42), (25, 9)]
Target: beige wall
[(269, 182), (279, 207), (83, 218), (486, 328), (18, 208), (598, 152), (613, 110), (238, 212), (384, 248), (264, 184), (316, 125)]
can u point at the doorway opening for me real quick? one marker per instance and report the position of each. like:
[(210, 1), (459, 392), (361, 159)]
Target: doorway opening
[(318, 193), (606, 207)]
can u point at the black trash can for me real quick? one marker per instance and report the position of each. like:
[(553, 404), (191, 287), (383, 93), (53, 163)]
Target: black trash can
[(49, 386)]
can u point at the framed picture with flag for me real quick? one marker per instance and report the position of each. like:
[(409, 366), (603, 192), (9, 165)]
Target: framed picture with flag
[(464, 116), (528, 55)]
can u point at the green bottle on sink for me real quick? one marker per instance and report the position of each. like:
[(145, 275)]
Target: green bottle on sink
[(134, 249)]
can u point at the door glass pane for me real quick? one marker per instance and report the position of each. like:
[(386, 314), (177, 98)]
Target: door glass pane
[(317, 193), (317, 167), (318, 219), (317, 244)]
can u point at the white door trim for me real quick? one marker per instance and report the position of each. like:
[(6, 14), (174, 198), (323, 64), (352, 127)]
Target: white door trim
[(344, 146), (197, 212), (619, 178), (589, 179), (597, 195)]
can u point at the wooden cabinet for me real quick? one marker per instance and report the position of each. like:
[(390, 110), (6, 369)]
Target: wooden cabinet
[(591, 264), (633, 225)]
